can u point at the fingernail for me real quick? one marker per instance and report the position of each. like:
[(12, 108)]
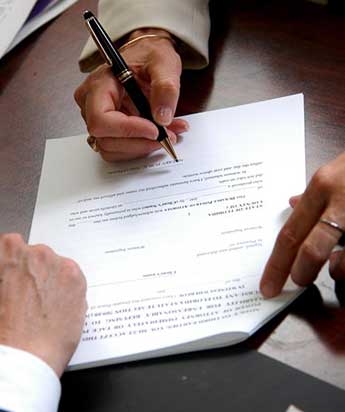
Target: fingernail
[(185, 127), (163, 115)]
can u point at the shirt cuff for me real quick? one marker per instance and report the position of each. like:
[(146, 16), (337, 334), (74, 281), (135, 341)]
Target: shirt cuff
[(188, 21), (27, 384)]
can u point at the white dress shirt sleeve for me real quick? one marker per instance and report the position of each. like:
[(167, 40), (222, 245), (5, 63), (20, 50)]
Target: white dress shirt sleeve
[(187, 20), (27, 384)]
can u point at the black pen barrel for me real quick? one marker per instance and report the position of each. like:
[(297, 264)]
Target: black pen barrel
[(142, 104), (105, 44)]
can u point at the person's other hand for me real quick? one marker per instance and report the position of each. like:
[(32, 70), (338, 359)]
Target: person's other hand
[(111, 116), (304, 244), (42, 301)]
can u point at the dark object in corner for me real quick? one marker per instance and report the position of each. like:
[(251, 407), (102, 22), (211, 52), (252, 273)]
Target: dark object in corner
[(337, 5)]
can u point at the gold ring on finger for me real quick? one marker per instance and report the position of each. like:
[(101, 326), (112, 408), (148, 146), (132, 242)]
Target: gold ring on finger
[(92, 142)]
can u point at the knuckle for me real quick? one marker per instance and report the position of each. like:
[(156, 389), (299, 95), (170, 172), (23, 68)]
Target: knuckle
[(74, 273), (96, 78), (299, 279), (77, 95), (94, 125), (322, 179), (169, 85), (311, 253), (167, 54), (337, 270), (12, 239), (71, 267), (82, 113), (178, 63), (41, 252), (12, 244), (93, 80), (287, 239), (275, 270), (98, 73)]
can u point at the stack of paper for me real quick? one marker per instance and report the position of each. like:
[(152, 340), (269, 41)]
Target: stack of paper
[(173, 252)]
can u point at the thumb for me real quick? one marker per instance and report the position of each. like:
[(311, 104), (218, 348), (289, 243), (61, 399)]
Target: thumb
[(164, 71)]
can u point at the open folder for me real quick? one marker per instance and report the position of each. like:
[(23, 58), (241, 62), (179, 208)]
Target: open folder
[(20, 18), (173, 252)]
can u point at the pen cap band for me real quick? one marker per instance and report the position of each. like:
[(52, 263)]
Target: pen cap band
[(124, 76)]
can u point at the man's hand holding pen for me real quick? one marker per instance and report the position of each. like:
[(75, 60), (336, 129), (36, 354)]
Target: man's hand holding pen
[(110, 114)]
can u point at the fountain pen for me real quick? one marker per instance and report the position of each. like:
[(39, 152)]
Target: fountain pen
[(121, 71)]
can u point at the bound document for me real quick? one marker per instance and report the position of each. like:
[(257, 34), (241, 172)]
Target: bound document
[(173, 252)]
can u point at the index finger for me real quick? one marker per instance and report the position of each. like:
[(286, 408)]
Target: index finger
[(103, 120), (305, 215)]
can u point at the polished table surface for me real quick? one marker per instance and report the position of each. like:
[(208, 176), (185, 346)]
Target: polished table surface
[(259, 50)]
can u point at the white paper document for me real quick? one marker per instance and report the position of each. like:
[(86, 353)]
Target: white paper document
[(13, 14), (50, 12), (173, 252)]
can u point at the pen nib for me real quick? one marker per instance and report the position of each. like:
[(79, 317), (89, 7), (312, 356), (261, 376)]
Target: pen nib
[(169, 148)]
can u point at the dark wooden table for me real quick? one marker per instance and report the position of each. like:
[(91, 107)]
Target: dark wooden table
[(259, 50)]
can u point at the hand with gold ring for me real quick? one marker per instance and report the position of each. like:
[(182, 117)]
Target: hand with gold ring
[(308, 238), (112, 120)]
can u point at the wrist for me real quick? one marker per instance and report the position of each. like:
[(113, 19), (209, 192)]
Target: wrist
[(47, 353), (22, 377), (146, 37), (142, 32)]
